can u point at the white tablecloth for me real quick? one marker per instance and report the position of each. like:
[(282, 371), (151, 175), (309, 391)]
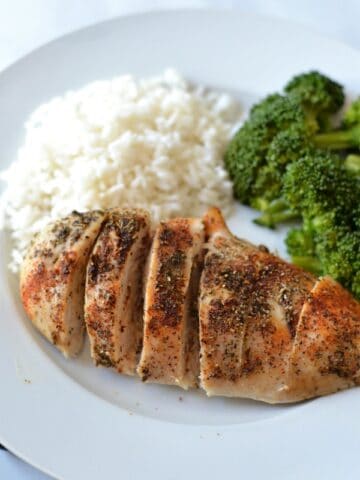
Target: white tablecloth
[(25, 24)]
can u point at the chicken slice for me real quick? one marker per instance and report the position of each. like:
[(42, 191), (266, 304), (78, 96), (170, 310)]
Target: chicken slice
[(249, 307), (325, 356), (170, 346), (52, 279), (114, 293)]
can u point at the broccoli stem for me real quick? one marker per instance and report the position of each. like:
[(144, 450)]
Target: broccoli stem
[(267, 206), (339, 139), (310, 264), (352, 163), (260, 203), (277, 205), (270, 220)]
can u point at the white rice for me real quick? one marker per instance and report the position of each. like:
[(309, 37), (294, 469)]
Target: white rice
[(155, 143)]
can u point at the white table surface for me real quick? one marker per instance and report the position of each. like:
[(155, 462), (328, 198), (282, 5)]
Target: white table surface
[(25, 24)]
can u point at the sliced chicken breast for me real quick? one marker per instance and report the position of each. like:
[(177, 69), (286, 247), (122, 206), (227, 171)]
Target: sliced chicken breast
[(242, 321), (325, 356), (52, 279), (114, 290), (249, 307), (170, 346)]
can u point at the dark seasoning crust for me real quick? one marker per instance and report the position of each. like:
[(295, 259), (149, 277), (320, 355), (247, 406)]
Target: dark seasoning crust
[(269, 330), (56, 251), (119, 234), (64, 232), (166, 308), (335, 345), (125, 227), (242, 289)]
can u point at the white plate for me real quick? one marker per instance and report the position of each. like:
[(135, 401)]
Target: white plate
[(74, 421)]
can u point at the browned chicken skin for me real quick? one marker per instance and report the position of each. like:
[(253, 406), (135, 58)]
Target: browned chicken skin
[(268, 330), (325, 355), (114, 285), (265, 329), (52, 279)]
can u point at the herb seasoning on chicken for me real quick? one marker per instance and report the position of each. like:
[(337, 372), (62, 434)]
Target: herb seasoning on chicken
[(254, 326), (113, 295), (170, 348), (52, 279)]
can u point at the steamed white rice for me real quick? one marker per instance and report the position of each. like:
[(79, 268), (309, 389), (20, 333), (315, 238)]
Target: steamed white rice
[(155, 143)]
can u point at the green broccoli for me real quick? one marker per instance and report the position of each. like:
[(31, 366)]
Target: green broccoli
[(280, 164), (266, 104), (301, 247), (279, 130), (340, 258), (247, 153), (339, 139), (267, 186), (319, 95), (346, 137), (352, 114), (275, 212), (319, 182), (286, 147), (279, 112), (243, 158), (352, 163), (329, 240)]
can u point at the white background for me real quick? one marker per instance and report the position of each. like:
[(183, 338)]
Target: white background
[(27, 24)]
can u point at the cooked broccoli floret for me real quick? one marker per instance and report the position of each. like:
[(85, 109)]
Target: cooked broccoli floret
[(279, 112), (265, 104), (247, 153), (286, 147), (280, 165), (329, 240), (301, 247), (266, 187), (352, 163), (340, 258), (318, 182), (320, 96), (352, 114), (346, 137), (244, 156), (280, 129), (327, 182), (357, 216)]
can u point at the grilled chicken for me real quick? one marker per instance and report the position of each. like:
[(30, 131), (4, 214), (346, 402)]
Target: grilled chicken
[(250, 302), (256, 326), (325, 356), (52, 279), (170, 346), (113, 300), (268, 330)]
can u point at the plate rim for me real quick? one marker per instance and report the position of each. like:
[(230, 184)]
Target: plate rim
[(7, 304), (166, 11)]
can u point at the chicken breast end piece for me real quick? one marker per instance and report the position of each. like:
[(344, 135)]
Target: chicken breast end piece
[(52, 279), (325, 355)]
